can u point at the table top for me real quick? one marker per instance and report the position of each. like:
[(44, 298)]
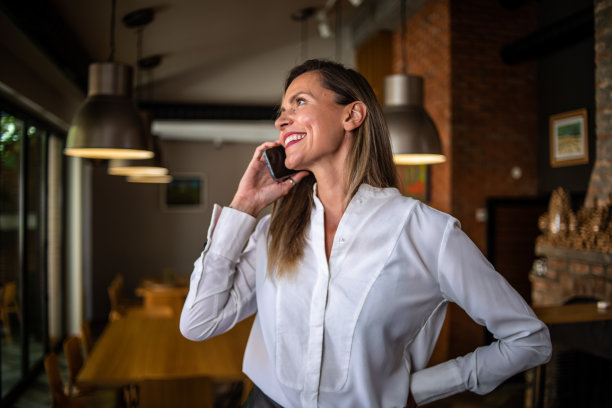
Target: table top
[(139, 347), (573, 313)]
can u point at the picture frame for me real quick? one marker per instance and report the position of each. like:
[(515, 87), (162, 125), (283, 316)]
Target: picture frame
[(569, 138), (186, 192), (414, 181)]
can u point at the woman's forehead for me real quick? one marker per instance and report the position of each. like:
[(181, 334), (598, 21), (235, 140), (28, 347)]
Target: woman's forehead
[(307, 79)]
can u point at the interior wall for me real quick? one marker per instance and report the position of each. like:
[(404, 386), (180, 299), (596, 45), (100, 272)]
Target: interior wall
[(428, 54), (30, 80), (136, 236), (494, 125), (563, 90)]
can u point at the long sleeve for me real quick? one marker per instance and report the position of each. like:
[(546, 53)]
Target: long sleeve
[(222, 285), (522, 341)]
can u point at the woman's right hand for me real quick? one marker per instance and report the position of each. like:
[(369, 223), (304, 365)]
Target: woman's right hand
[(257, 188)]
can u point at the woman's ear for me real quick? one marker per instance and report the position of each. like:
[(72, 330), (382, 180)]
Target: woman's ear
[(355, 114)]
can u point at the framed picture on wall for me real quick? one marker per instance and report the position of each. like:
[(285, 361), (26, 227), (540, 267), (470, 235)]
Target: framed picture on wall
[(186, 192), (414, 181), (569, 138)]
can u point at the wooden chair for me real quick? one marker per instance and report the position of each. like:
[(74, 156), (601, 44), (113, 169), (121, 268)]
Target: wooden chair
[(62, 400), (7, 306), (74, 359), (166, 297), (86, 337), (119, 304)]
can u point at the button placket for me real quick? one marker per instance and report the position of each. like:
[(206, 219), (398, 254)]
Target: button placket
[(314, 356)]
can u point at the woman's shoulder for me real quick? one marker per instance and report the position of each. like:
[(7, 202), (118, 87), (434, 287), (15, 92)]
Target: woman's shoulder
[(263, 224), (401, 203)]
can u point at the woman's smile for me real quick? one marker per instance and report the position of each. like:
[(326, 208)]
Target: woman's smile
[(292, 138)]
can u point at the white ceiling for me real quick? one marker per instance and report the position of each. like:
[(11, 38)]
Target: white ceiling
[(224, 51)]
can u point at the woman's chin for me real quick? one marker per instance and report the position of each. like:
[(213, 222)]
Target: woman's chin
[(292, 164)]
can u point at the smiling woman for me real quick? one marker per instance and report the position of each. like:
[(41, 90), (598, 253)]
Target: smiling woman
[(349, 279)]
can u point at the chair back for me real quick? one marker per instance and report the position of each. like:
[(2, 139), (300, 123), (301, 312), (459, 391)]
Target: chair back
[(9, 300), (74, 359), (54, 375), (115, 290), (86, 337)]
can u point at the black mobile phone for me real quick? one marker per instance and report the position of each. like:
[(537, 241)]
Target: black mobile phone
[(275, 159)]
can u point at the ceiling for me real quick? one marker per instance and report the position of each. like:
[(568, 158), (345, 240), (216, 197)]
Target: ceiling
[(221, 60), (222, 52)]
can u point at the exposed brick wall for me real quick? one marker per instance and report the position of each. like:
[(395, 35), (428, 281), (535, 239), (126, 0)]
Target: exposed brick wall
[(428, 55), (485, 111), (564, 274), (494, 110), (600, 184)]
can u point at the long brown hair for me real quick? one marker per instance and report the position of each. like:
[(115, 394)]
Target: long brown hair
[(370, 161)]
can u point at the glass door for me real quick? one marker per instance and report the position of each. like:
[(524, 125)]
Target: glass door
[(11, 140), (25, 239)]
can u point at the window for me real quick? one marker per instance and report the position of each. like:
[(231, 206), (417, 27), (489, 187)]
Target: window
[(25, 242)]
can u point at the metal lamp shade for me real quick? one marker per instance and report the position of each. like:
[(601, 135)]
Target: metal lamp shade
[(165, 179), (147, 167), (108, 124), (414, 137)]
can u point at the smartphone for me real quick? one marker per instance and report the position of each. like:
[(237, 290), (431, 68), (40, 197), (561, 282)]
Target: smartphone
[(275, 159)]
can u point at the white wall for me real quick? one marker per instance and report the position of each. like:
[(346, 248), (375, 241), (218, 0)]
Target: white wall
[(135, 236)]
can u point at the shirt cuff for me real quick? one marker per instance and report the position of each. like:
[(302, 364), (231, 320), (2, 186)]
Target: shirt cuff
[(229, 232), (434, 383)]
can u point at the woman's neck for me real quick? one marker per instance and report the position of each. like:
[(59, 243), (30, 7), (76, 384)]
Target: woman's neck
[(332, 194)]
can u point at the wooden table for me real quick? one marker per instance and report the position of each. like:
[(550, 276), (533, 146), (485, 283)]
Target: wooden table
[(138, 348), (172, 297), (573, 313), (564, 314)]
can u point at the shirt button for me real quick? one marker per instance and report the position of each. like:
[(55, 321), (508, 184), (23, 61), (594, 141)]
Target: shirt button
[(341, 240)]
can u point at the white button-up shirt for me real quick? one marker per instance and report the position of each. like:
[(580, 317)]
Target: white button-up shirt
[(358, 331)]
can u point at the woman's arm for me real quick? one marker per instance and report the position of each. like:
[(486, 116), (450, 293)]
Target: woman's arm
[(222, 286), (522, 341)]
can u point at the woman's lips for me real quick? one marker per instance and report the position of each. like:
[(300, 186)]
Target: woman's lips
[(293, 138)]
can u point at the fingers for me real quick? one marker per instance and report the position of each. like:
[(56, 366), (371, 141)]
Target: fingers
[(260, 149)]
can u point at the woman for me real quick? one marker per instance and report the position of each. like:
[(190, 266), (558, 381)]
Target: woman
[(349, 279)]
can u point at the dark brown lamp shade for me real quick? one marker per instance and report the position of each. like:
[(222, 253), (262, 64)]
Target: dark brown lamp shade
[(414, 137), (108, 124)]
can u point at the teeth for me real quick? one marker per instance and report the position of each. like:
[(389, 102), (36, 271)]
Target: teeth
[(293, 138)]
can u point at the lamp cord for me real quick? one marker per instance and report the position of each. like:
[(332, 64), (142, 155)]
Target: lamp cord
[(304, 34), (111, 57), (138, 59), (403, 39), (338, 32)]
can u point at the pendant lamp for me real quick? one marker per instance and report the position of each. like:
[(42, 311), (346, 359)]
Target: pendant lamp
[(165, 179), (147, 167), (154, 166), (414, 137), (107, 125)]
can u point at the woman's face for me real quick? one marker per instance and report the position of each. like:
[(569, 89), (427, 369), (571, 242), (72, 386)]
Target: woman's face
[(311, 125)]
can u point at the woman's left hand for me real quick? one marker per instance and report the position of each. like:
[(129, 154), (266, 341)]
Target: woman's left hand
[(257, 188)]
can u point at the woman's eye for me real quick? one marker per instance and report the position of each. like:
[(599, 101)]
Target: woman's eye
[(300, 101)]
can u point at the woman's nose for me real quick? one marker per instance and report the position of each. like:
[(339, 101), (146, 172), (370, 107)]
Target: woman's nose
[(281, 121)]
